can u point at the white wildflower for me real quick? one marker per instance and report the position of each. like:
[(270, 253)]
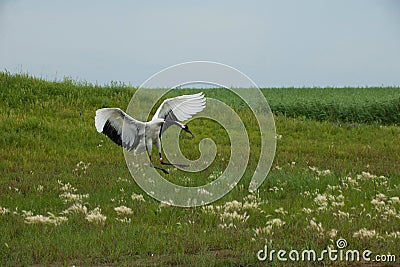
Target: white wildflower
[(250, 205), (68, 197), (342, 214), (224, 225), (332, 233), (390, 212), (164, 204), (119, 179), (234, 216), (233, 205), (307, 210), (324, 172), (66, 187), (137, 197), (376, 202), (26, 213), (208, 209), (276, 189), (393, 234), (76, 208), (252, 201), (123, 210), (337, 201), (276, 222), (364, 233), (321, 201), (381, 197), (123, 220), (394, 200), (333, 187), (281, 211), (40, 219), (350, 182), (316, 226), (320, 173), (202, 191), (39, 188), (81, 168), (4, 210), (365, 176), (262, 231), (95, 216)]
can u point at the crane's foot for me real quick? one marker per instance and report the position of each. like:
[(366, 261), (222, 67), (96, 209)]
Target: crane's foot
[(161, 169), (158, 168), (173, 164)]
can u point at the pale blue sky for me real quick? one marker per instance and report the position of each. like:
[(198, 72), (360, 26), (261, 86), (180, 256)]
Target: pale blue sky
[(276, 43)]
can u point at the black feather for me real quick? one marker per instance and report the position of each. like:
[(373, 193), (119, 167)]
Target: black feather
[(110, 131)]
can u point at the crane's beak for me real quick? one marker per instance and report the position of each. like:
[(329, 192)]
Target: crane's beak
[(188, 131)]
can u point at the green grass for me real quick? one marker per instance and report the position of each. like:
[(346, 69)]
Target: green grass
[(344, 106), (47, 128), (340, 105)]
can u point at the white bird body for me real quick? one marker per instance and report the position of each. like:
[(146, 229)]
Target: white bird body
[(140, 136)]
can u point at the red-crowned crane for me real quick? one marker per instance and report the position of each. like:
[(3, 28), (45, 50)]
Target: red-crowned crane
[(140, 136)]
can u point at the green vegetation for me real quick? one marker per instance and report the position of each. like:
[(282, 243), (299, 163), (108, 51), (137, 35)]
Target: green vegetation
[(338, 105), (328, 181), (349, 105)]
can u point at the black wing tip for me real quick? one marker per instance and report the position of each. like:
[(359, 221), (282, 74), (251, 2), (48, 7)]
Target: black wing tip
[(112, 133)]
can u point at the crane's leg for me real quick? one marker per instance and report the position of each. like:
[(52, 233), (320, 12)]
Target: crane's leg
[(158, 144), (148, 150)]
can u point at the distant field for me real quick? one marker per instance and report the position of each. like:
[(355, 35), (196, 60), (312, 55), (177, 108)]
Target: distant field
[(64, 186), (340, 105)]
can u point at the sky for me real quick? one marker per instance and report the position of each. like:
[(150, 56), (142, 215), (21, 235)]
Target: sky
[(276, 43)]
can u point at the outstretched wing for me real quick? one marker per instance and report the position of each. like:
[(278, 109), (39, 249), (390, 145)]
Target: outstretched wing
[(120, 127), (180, 108)]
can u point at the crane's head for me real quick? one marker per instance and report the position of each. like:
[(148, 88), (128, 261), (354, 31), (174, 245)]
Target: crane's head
[(186, 129)]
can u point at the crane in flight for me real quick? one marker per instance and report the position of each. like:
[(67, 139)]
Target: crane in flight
[(140, 136)]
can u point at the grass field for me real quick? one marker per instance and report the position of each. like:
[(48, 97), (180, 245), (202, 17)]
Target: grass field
[(67, 198)]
